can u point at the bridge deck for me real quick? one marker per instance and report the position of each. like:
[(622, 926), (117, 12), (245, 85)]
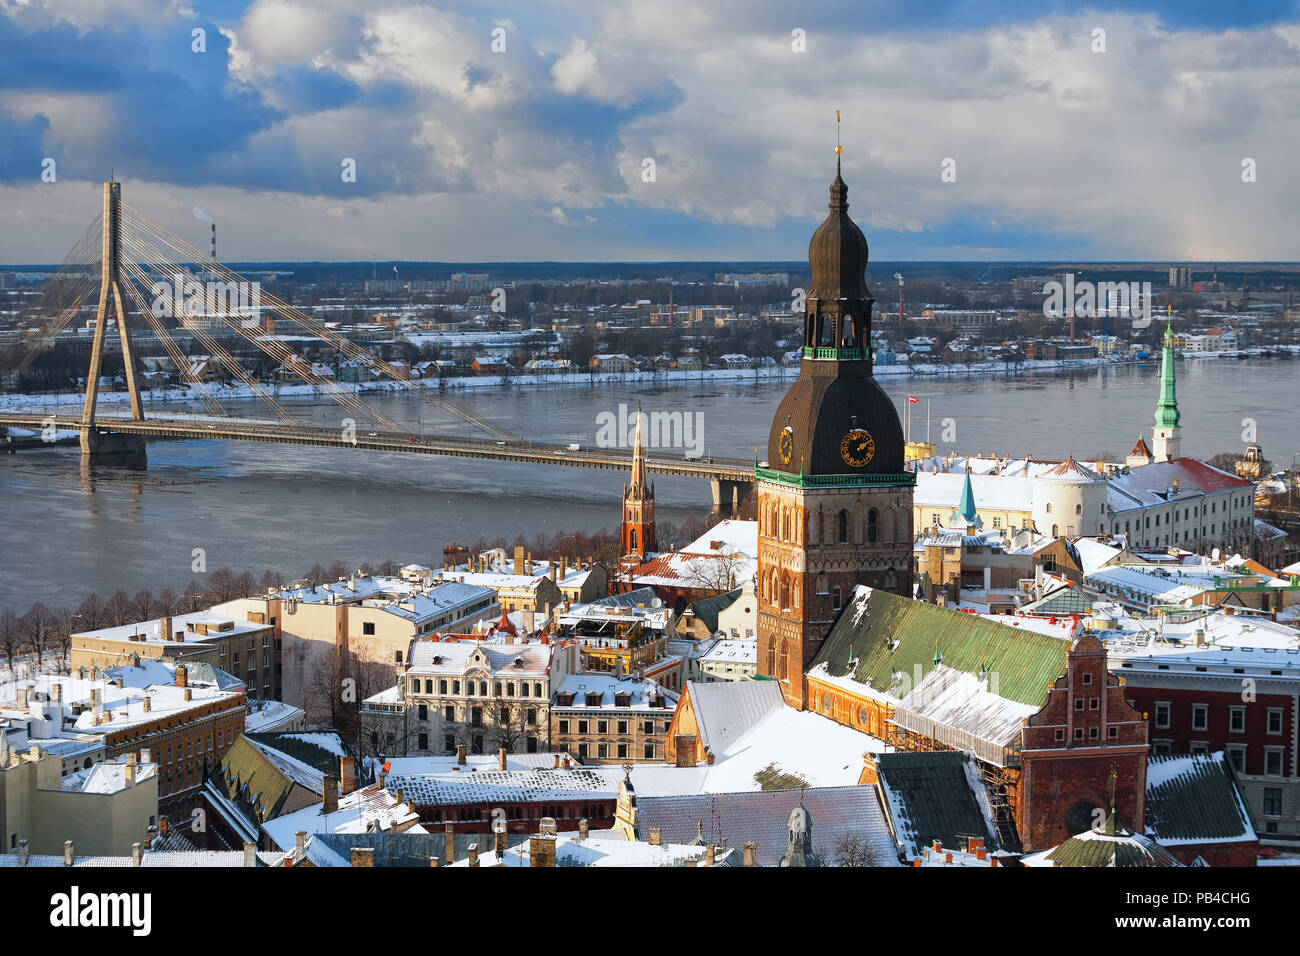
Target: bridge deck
[(726, 469)]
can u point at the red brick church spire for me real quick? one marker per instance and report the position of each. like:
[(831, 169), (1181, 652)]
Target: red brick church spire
[(638, 528)]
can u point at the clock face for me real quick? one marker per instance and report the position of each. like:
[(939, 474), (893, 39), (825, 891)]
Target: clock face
[(858, 447), (785, 445)]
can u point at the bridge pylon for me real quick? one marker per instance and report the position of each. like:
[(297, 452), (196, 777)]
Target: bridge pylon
[(106, 448)]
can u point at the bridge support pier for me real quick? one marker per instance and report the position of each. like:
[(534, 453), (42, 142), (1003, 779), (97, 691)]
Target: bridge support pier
[(110, 449), (729, 494)]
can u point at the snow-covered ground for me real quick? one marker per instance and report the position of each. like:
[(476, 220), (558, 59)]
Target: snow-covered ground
[(451, 385)]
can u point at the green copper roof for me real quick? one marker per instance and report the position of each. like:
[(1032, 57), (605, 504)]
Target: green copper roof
[(1112, 845), (1024, 661), (966, 503), (1167, 410)]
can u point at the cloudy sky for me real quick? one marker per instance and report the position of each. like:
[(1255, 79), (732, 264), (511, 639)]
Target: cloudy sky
[(521, 129)]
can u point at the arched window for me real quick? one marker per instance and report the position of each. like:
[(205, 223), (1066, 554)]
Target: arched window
[(825, 334), (846, 331), (631, 540), (1049, 507), (1056, 531), (844, 527), (873, 523), (1078, 509)]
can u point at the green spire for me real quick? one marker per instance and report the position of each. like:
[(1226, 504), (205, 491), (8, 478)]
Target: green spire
[(966, 503), (1167, 410)]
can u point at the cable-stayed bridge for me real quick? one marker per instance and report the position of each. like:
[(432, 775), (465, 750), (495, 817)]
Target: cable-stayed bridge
[(123, 260)]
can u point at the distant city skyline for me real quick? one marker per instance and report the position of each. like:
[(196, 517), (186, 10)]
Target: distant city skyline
[(536, 152)]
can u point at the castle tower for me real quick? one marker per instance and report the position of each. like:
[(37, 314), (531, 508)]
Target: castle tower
[(834, 498), (1166, 440), (638, 528)]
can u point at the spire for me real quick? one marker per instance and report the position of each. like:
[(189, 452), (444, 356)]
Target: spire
[(638, 485), (965, 515), (1167, 415)]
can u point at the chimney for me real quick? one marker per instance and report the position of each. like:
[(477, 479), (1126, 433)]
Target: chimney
[(557, 761), (165, 628), (189, 694), (330, 794), (473, 854), (129, 771), (501, 758), (449, 844), (182, 676), (21, 699), (541, 850), (164, 824), (24, 853), (433, 861), (363, 856), (501, 843), (146, 704), (137, 854), (519, 559), (146, 755), (582, 829), (67, 853), (347, 774), (654, 836), (250, 854), (751, 854), (300, 840), (709, 855), (547, 826), (460, 754)]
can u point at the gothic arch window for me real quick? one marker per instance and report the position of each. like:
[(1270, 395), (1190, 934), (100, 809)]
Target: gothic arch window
[(785, 526), (785, 594), (1078, 509), (873, 525), (822, 583), (785, 657), (844, 527), (1056, 531), (891, 581), (825, 332), (631, 539)]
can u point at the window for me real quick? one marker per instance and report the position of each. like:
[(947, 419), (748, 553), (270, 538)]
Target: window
[(449, 713), (1275, 720), (442, 687), (424, 741), (564, 726), (649, 727), (368, 628), (1094, 703), (1078, 703), (1060, 733), (1078, 733), (844, 527), (1200, 716), (1237, 756), (622, 750), (602, 726), (449, 744), (649, 751), (423, 711), (1112, 731), (582, 726), (602, 750), (1199, 747), (1273, 761), (622, 729), (1237, 720), (1078, 509), (1162, 714), (476, 716), (1087, 678), (1272, 801), (837, 598)]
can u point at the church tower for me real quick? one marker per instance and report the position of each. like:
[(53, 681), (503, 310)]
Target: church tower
[(1167, 442), (638, 528), (834, 497)]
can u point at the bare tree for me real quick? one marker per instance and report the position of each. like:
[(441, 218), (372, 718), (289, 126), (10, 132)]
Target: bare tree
[(853, 849), (165, 603), (192, 600), (11, 636), (90, 613), (38, 629), (117, 609), (719, 572), (144, 606), (272, 579)]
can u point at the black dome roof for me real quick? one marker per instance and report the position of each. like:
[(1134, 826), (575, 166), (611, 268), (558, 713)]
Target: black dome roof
[(820, 410)]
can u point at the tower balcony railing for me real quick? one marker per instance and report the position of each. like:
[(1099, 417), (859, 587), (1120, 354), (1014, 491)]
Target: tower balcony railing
[(847, 354), (834, 481)]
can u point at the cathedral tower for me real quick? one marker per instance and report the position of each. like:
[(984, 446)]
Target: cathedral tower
[(638, 528), (834, 497)]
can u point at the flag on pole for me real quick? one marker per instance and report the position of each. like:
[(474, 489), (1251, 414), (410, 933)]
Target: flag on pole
[(913, 399)]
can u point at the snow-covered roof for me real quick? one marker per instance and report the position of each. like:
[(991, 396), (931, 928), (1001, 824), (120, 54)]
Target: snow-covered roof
[(456, 657), (357, 812), (639, 691)]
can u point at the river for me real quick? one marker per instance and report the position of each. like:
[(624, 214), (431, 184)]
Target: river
[(252, 506)]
